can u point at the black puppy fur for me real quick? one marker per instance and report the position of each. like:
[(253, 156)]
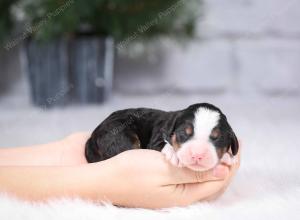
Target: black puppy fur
[(149, 128)]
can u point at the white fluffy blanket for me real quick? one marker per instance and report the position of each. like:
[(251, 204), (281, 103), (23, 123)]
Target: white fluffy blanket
[(266, 187)]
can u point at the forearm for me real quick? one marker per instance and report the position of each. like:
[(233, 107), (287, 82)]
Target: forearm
[(69, 151), (45, 154), (42, 183), (107, 181)]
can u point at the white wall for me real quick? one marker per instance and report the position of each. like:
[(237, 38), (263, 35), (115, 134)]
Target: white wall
[(242, 46)]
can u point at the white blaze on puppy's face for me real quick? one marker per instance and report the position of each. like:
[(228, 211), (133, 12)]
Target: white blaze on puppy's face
[(198, 153)]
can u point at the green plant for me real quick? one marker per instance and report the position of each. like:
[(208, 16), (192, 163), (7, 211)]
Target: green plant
[(6, 19), (117, 18)]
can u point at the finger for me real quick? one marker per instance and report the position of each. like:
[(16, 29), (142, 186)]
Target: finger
[(185, 175), (203, 191), (233, 169), (225, 185), (209, 190)]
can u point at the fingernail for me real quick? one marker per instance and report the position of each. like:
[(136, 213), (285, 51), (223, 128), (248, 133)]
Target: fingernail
[(220, 171)]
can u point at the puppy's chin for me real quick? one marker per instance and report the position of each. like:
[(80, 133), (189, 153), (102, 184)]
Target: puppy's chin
[(207, 165), (200, 168)]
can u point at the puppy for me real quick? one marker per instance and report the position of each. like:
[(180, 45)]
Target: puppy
[(198, 137)]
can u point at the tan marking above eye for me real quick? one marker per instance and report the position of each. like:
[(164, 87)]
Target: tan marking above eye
[(189, 130), (215, 134)]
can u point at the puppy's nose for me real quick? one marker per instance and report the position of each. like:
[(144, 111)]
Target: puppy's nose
[(198, 157)]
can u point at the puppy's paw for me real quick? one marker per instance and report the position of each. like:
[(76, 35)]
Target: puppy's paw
[(234, 160), (228, 159), (168, 151), (170, 155)]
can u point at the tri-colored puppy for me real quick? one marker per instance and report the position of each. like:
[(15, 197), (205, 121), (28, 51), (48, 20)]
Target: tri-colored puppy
[(198, 137)]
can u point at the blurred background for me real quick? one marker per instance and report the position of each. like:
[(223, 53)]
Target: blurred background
[(66, 65)]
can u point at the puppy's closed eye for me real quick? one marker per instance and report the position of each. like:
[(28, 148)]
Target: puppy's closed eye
[(189, 130), (215, 134), (184, 132)]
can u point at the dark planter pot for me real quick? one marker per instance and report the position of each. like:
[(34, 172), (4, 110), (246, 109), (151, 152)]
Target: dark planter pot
[(46, 66), (69, 70), (91, 68)]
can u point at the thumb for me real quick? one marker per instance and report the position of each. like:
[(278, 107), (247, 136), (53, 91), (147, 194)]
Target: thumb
[(185, 175)]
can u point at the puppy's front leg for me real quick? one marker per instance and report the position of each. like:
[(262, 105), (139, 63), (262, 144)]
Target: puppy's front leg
[(170, 155), (228, 159)]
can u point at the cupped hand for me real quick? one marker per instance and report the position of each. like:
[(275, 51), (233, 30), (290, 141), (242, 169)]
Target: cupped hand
[(143, 178)]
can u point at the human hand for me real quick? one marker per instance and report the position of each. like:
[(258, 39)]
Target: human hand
[(73, 147), (143, 178)]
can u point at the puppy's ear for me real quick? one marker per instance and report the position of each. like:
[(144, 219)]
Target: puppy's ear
[(234, 143), (169, 127), (163, 134)]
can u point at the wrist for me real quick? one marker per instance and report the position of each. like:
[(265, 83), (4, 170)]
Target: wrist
[(98, 181)]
